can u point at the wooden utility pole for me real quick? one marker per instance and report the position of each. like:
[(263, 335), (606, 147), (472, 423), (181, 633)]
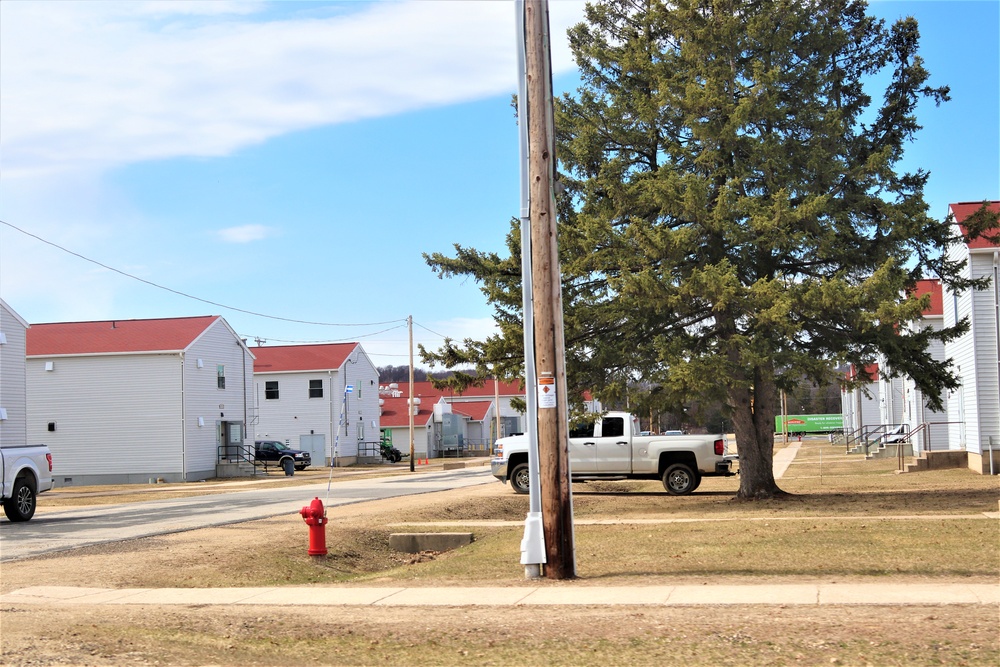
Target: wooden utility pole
[(409, 401), (550, 354)]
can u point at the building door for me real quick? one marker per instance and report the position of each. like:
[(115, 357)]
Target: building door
[(315, 444), (232, 438)]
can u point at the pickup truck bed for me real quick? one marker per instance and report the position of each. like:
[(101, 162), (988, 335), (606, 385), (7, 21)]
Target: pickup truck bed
[(27, 471)]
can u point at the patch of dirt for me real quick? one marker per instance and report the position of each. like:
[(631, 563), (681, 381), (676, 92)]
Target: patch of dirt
[(357, 537), (695, 637)]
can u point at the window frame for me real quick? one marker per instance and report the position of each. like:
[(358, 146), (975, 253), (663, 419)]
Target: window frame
[(314, 387), (268, 390)]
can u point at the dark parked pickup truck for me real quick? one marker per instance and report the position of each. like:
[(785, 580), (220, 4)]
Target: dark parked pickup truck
[(268, 451)]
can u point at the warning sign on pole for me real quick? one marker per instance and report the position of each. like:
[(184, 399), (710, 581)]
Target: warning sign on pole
[(546, 392)]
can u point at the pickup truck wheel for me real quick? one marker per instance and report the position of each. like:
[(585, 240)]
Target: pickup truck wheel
[(519, 478), (679, 479), (21, 504)]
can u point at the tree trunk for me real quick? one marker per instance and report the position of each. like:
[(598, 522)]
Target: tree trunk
[(753, 424)]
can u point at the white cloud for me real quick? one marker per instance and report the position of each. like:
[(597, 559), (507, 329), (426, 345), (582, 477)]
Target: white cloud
[(245, 233), (104, 84), (195, 7), (87, 87)]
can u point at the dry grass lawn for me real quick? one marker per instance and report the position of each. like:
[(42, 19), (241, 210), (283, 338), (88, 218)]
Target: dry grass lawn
[(849, 520)]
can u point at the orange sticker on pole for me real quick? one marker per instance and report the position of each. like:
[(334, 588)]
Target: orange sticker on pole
[(546, 392)]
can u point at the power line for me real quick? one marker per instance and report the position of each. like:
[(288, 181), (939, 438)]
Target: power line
[(191, 296), (433, 332), (316, 342)]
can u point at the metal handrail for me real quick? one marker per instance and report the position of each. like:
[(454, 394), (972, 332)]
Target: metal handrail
[(244, 453), (880, 432), (925, 427), (922, 428), (852, 436)]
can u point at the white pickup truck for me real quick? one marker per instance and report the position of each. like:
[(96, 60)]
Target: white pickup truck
[(611, 448), (26, 472)]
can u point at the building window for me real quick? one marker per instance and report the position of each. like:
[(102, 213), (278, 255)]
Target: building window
[(271, 390), (315, 389), (222, 376)]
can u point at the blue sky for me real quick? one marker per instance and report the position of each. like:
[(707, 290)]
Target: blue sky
[(295, 159)]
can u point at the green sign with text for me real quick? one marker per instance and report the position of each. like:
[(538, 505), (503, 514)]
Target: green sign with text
[(810, 423)]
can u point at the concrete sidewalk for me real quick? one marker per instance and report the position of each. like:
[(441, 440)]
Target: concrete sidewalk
[(562, 594)]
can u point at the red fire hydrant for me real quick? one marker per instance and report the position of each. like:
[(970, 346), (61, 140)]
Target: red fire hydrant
[(315, 518)]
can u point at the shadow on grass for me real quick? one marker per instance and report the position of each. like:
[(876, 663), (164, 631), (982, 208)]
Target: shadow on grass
[(908, 501), (651, 494)]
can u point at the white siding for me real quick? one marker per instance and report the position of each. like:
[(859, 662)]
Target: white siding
[(115, 416), (890, 397), (916, 410), (13, 396), (987, 380), (293, 414), (203, 398), (847, 401), (363, 406), (870, 415), (423, 435), (961, 402)]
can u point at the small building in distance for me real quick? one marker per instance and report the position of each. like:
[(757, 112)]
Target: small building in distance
[(320, 398), (129, 401)]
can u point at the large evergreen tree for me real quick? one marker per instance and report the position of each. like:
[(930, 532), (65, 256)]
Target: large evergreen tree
[(734, 217)]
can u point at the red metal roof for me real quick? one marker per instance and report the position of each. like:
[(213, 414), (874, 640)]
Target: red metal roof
[(932, 287), (963, 210), (474, 410), (284, 358), (116, 336), (394, 413), (871, 368)]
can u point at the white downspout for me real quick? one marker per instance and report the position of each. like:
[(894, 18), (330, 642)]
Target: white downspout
[(996, 331), (332, 435), (184, 422)]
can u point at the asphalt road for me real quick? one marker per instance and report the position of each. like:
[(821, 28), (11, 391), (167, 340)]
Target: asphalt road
[(60, 530)]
